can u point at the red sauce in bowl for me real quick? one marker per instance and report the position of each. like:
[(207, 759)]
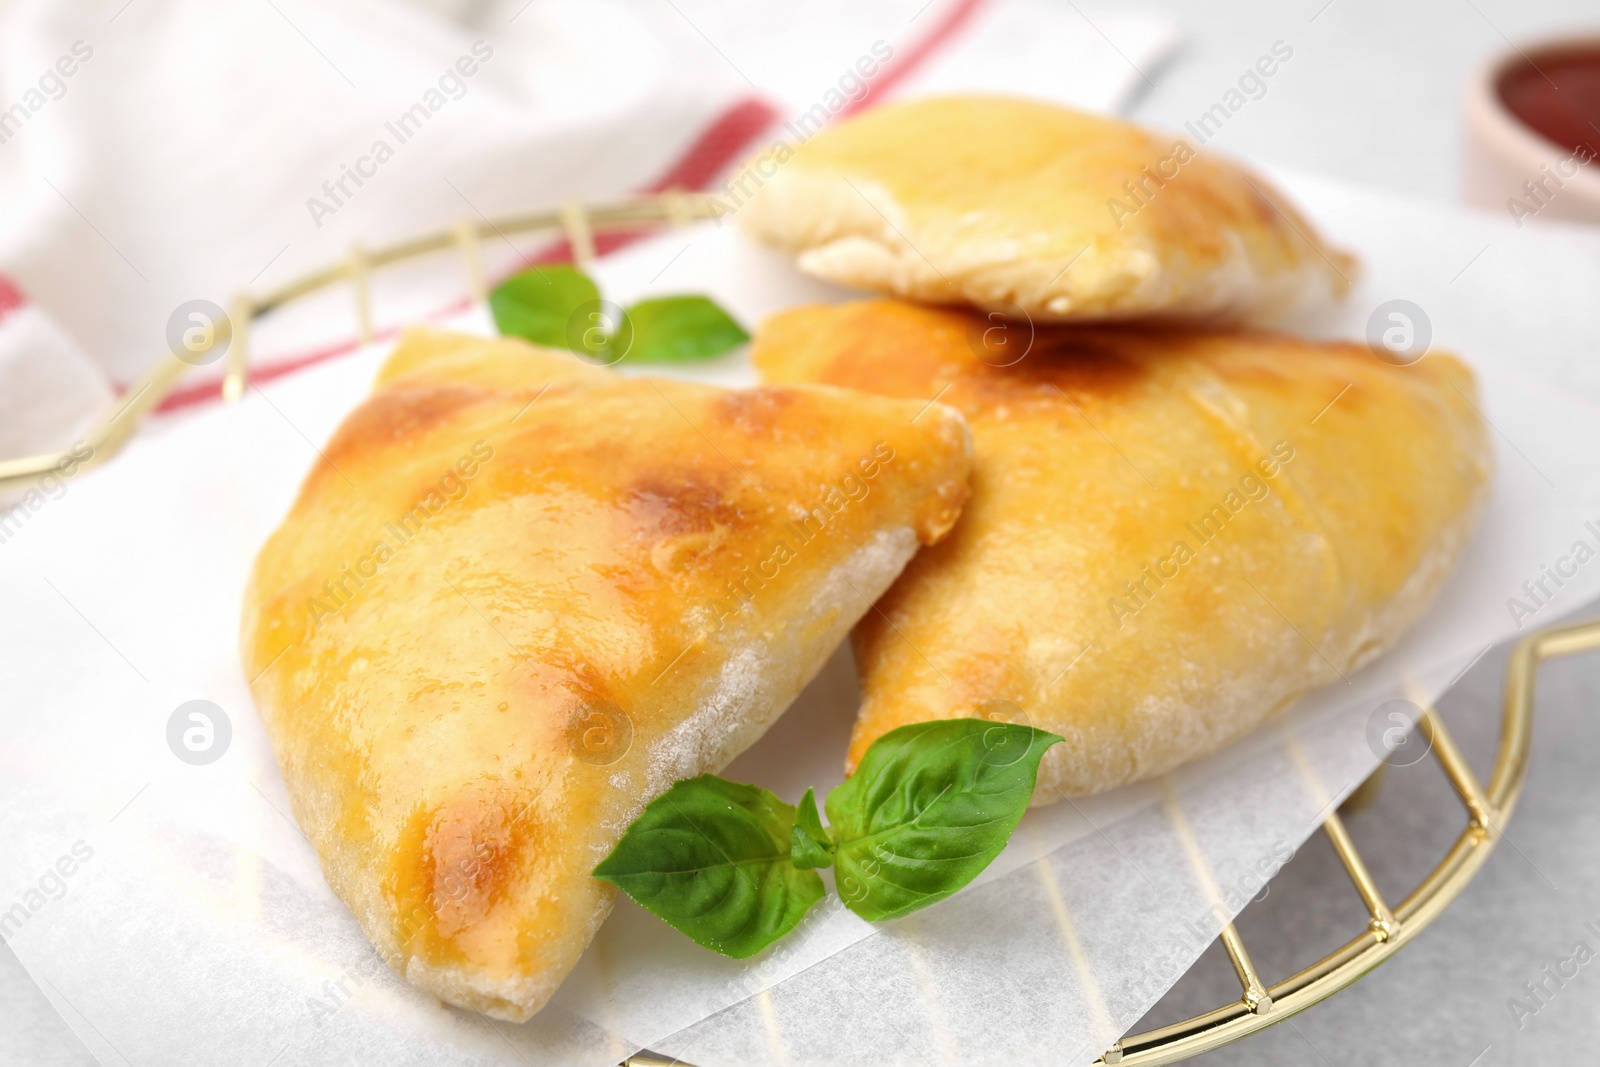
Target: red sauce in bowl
[(1556, 93)]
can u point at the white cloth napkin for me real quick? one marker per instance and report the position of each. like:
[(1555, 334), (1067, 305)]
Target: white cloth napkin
[(198, 149), (157, 152)]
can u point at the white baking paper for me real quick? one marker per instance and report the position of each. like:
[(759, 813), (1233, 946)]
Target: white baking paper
[(195, 921)]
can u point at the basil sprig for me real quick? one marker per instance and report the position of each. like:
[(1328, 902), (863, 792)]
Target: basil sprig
[(930, 806), (711, 857), (810, 846), (681, 329), (734, 867), (560, 307), (538, 305)]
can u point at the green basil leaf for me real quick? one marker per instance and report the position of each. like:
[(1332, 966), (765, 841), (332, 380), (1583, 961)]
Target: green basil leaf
[(711, 858), (812, 847), (929, 807), (680, 329), (540, 305)]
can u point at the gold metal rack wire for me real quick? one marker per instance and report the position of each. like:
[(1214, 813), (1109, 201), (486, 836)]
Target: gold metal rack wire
[(575, 221), (1259, 1005), (1388, 928)]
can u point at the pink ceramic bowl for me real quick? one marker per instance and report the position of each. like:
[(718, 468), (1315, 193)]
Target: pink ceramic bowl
[(1509, 168)]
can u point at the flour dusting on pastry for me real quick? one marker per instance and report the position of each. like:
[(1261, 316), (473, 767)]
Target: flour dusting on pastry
[(1172, 534), (521, 595), (1031, 209)]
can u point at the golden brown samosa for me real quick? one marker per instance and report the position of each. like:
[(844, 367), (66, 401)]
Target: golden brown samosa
[(520, 595), (1171, 535), (1030, 208)]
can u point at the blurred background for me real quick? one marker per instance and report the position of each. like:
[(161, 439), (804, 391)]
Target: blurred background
[(157, 152)]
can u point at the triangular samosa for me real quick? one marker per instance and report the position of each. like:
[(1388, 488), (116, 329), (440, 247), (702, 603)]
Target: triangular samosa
[(521, 595)]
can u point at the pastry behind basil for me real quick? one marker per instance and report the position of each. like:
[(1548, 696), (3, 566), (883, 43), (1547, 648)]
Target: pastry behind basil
[(1172, 535)]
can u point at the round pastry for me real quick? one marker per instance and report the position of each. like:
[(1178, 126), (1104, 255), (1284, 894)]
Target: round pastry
[(1031, 209)]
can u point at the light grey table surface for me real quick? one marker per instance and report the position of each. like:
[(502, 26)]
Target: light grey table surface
[(1371, 96), (1373, 92)]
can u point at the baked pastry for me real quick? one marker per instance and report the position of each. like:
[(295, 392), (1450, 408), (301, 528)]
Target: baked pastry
[(521, 595), (1171, 535), (1031, 209)]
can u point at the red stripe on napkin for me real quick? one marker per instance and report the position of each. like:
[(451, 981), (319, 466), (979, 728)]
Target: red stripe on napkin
[(710, 153), (716, 146), (730, 134), (901, 66), (11, 296)]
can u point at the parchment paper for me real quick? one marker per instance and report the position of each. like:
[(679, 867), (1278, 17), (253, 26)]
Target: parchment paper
[(195, 919)]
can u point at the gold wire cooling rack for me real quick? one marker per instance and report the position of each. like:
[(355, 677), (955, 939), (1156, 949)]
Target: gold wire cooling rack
[(1259, 1005)]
